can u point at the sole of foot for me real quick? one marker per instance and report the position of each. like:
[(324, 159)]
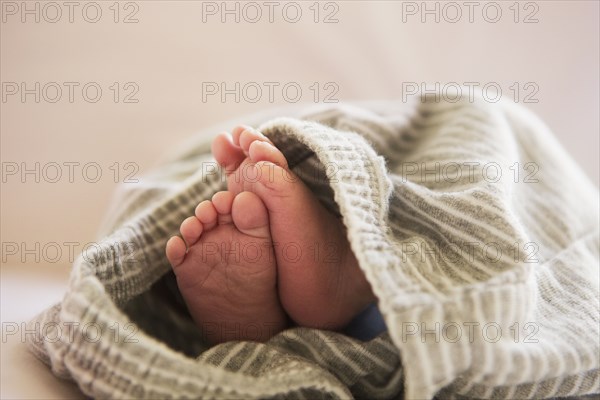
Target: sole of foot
[(226, 271)]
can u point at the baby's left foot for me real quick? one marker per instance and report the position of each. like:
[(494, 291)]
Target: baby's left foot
[(227, 273)]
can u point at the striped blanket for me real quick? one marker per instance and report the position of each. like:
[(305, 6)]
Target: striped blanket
[(477, 232)]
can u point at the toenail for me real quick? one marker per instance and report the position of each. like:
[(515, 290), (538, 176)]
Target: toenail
[(255, 131), (266, 144)]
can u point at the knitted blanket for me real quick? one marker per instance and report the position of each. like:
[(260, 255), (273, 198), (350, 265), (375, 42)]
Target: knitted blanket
[(477, 232)]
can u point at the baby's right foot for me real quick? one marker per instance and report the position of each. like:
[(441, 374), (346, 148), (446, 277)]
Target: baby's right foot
[(320, 282)]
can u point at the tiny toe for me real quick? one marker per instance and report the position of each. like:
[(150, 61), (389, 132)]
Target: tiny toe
[(250, 215), (191, 229), (175, 251), (222, 201), (207, 214), (248, 136), (228, 155), (265, 151), (236, 132)]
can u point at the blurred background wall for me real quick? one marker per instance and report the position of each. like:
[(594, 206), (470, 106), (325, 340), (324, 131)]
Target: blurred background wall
[(93, 93)]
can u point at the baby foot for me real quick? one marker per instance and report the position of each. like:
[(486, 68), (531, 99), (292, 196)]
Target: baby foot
[(227, 273), (320, 282)]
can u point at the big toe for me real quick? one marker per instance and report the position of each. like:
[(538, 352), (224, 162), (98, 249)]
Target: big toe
[(265, 151), (250, 215), (284, 194), (272, 182), (228, 155), (243, 136)]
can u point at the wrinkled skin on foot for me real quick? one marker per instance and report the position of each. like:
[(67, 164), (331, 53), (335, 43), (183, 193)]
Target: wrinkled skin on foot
[(226, 271)]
